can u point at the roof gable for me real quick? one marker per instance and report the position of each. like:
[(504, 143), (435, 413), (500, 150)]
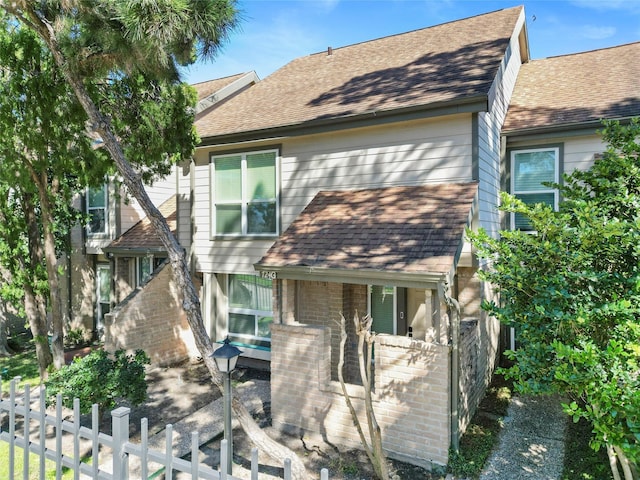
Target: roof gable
[(142, 236), (409, 229), (442, 64), (576, 89)]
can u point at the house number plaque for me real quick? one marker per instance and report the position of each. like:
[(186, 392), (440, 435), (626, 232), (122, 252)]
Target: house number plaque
[(270, 274)]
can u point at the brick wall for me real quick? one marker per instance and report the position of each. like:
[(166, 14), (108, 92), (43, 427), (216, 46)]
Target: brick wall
[(411, 399), (152, 319)]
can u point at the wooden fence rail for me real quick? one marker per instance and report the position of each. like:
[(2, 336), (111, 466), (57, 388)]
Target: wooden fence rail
[(110, 454)]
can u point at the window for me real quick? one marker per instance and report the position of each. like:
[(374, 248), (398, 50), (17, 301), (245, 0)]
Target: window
[(97, 209), (103, 291), (387, 307), (145, 266), (529, 169), (245, 194), (250, 309)]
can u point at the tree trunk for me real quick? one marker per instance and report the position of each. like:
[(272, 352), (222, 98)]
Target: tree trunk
[(51, 262), (34, 303), (5, 351), (177, 258)]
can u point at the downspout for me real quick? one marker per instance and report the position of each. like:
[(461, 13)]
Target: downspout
[(453, 311)]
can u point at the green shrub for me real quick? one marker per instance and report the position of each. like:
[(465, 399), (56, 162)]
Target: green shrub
[(100, 378)]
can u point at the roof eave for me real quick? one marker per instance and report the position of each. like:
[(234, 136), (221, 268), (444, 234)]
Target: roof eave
[(565, 129), (360, 277), (471, 104), (134, 251)]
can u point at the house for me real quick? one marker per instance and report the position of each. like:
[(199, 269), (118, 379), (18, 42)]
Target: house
[(117, 252), (344, 182)]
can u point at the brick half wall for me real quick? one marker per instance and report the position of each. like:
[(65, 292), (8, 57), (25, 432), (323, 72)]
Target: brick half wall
[(411, 398), (152, 319)]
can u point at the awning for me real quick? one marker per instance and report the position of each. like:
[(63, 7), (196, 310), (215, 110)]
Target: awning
[(407, 235)]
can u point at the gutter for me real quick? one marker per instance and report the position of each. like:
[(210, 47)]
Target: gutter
[(566, 129), (476, 103), (453, 310)]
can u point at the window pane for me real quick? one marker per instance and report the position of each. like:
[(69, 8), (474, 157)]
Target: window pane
[(97, 197), (228, 219), (104, 284), (97, 222), (241, 291), (250, 292), (228, 179), (261, 176), (263, 326), (242, 324), (382, 309), (144, 268), (533, 168), (261, 218), (521, 222)]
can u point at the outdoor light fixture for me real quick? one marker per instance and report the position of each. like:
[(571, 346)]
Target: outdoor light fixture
[(226, 358)]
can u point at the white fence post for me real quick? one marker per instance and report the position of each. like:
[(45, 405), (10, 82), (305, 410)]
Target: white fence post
[(120, 431), (119, 442)]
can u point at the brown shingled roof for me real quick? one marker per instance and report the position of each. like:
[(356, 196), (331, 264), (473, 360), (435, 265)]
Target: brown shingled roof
[(445, 63), (142, 236), (205, 89), (414, 229), (578, 88)]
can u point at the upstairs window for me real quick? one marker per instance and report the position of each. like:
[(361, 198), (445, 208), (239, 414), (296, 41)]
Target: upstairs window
[(97, 203), (245, 194), (529, 169)]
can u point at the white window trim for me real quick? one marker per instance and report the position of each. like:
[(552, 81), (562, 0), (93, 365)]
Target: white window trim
[(244, 200), (245, 311), (90, 233), (556, 195)]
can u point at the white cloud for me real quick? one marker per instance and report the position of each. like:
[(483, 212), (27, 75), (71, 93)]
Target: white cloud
[(592, 32)]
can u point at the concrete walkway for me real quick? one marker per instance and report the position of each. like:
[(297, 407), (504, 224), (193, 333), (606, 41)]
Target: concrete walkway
[(531, 444), (208, 422)]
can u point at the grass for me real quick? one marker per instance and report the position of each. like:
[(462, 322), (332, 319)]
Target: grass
[(23, 364)]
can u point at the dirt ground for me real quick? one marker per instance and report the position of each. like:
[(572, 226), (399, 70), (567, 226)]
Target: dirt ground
[(175, 392)]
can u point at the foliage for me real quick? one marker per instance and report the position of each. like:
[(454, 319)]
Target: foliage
[(481, 435), (101, 378), (581, 462), (572, 290)]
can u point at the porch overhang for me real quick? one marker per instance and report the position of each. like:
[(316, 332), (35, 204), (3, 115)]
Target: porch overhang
[(406, 236), (358, 277)]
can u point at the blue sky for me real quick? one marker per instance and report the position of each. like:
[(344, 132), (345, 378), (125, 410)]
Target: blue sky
[(272, 33)]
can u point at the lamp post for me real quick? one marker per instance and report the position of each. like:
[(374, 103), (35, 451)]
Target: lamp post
[(226, 357)]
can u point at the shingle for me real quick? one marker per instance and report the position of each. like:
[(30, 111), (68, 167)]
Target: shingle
[(571, 89), (204, 89), (142, 235), (444, 63), (367, 229)]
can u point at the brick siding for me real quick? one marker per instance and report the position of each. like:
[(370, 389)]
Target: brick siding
[(152, 319), (411, 398)]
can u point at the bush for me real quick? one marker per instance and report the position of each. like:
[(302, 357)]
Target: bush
[(102, 379)]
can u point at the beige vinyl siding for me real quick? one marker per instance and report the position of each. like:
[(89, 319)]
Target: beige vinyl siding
[(184, 205), (411, 153), (577, 151), (489, 127), (131, 211)]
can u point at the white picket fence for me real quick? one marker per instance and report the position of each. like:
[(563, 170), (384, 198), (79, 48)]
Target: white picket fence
[(110, 454)]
